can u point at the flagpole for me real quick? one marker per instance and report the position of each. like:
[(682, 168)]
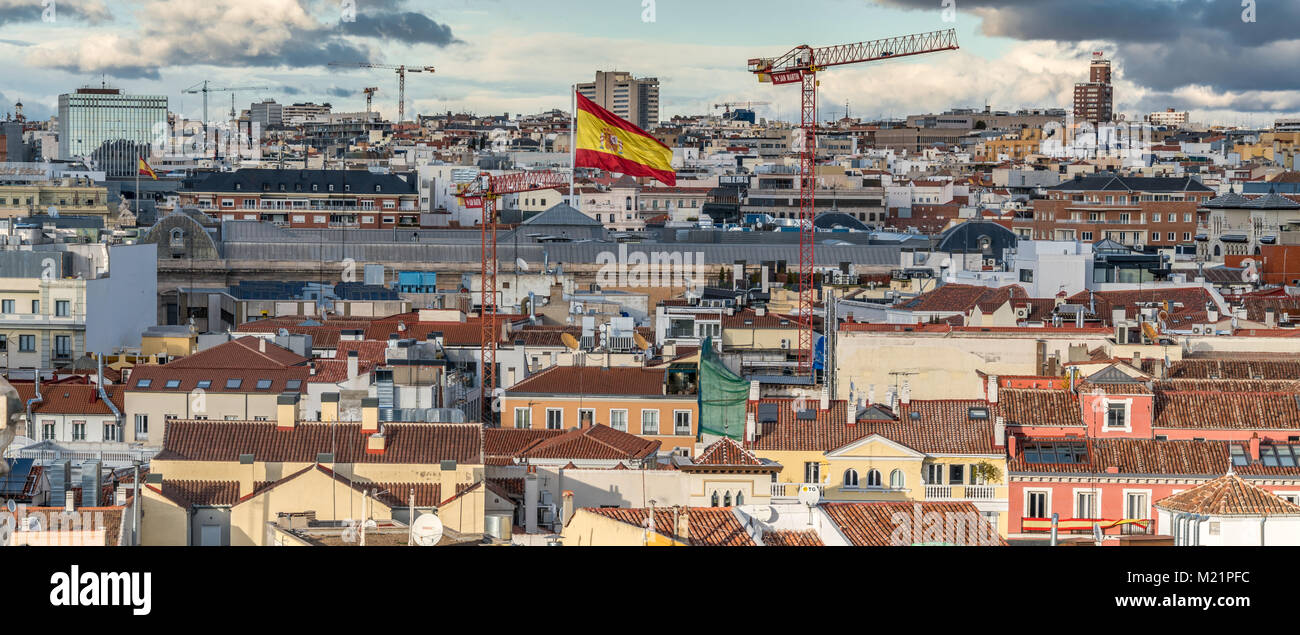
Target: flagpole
[(137, 185), (573, 142)]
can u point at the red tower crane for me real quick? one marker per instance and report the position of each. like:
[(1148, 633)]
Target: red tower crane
[(801, 65), (483, 193)]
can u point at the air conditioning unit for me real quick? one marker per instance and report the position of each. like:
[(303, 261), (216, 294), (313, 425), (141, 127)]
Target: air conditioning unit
[(785, 345)]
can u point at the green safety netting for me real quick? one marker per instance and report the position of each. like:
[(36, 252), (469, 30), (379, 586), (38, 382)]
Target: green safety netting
[(722, 396)]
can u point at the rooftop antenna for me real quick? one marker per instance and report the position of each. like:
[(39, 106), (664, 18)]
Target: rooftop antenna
[(426, 530)]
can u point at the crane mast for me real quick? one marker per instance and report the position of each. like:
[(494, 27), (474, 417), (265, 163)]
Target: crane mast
[(800, 66), (484, 192)]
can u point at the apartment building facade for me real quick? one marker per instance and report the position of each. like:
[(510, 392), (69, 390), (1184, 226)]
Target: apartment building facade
[(1132, 211), (1094, 99), (308, 198), (632, 98)]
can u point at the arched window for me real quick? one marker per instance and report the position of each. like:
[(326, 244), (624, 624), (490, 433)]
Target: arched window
[(896, 479), (726, 500), (850, 478), (873, 478), (714, 502), (740, 498), (629, 203), (1217, 251)]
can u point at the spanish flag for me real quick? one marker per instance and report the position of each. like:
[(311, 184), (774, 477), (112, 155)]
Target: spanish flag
[(144, 170), (612, 144)]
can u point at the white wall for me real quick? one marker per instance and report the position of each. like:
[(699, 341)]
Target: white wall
[(120, 306)]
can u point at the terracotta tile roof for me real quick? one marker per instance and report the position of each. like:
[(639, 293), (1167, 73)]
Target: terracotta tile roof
[(1227, 410), (512, 487), (69, 399), (940, 426), (59, 523), (367, 351), (190, 493), (962, 298), (598, 442), (1257, 306), (588, 380), (243, 353), (335, 371), (727, 452), (790, 538), (1229, 495), (1104, 388), (1131, 456), (406, 443), (155, 379), (874, 524), (502, 445), (1229, 385), (1275, 369), (1039, 407), (707, 526), (1191, 298)]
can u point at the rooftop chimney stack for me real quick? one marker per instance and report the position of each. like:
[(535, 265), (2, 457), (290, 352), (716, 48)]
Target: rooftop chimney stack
[(286, 410), (261, 345), (370, 415), (683, 528), (375, 443), (751, 427), (1254, 447), (999, 432), (329, 407), (824, 400), (1270, 318), (352, 365), (993, 389), (907, 392)]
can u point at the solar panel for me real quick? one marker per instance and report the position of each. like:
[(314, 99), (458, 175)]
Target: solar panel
[(767, 412)]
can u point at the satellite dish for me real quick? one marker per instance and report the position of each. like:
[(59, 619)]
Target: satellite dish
[(11, 506), (763, 513), (810, 495), (427, 530), (641, 342), (521, 265), (569, 341)]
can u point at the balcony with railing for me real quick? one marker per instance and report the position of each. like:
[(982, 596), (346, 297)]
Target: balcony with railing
[(790, 491), (965, 492), (1109, 526)]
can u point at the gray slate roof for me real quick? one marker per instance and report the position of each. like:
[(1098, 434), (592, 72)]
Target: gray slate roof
[(1111, 182)]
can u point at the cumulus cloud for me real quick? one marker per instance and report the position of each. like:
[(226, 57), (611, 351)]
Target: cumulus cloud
[(1199, 53), (20, 11), (248, 33)]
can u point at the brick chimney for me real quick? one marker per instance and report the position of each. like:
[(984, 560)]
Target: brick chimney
[(1013, 446), (370, 415), (1254, 447), (286, 410), (375, 443), (329, 407)]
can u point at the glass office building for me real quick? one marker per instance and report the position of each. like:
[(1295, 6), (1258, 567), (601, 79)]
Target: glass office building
[(94, 122)]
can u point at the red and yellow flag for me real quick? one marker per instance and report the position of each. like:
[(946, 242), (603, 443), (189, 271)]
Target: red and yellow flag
[(144, 170), (610, 143)]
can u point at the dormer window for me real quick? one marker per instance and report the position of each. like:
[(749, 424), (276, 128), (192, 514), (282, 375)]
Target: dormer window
[(238, 187), (379, 188), (315, 187), (331, 187)]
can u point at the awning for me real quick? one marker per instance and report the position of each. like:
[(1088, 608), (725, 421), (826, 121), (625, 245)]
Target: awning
[(1233, 238), (1201, 237), (1268, 240)]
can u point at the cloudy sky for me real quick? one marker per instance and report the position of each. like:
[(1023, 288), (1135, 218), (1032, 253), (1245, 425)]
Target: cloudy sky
[(1225, 63)]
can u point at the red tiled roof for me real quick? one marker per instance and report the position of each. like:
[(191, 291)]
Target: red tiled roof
[(726, 452), (407, 443), (190, 493), (1227, 410), (1133, 456), (598, 442), (1280, 369), (962, 298), (1229, 495), (157, 378), (587, 380), (707, 526), (791, 538), (69, 399), (243, 353), (502, 445), (367, 351), (944, 426), (876, 524), (1191, 298), (1039, 407)]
